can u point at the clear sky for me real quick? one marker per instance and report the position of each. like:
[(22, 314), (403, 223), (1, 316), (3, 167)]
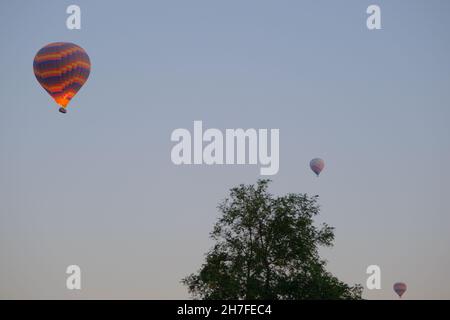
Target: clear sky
[(96, 187)]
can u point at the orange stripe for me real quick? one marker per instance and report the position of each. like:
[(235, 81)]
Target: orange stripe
[(66, 68), (48, 56), (68, 93), (60, 87), (57, 55)]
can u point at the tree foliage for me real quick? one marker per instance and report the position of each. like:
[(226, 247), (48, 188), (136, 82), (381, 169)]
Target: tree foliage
[(266, 247)]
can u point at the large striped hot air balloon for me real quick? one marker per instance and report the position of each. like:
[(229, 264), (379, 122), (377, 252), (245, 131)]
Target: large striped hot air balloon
[(400, 288), (317, 165), (62, 68)]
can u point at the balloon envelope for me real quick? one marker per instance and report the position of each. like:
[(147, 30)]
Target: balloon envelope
[(317, 165), (400, 288), (62, 68)]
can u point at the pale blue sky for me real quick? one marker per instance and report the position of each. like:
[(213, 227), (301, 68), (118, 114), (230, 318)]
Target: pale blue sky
[(96, 187)]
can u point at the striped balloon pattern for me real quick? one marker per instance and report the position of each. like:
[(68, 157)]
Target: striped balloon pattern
[(400, 288), (62, 68), (317, 165)]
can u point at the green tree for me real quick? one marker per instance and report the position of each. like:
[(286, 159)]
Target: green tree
[(266, 247)]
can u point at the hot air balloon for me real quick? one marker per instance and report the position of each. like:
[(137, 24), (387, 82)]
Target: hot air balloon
[(62, 68), (399, 288), (317, 165)]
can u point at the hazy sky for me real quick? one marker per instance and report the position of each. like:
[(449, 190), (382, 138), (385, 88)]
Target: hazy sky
[(96, 187)]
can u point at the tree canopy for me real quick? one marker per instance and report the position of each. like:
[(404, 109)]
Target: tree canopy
[(266, 247)]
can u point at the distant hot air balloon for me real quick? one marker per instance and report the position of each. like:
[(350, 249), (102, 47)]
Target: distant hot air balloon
[(400, 288), (62, 68), (317, 165)]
